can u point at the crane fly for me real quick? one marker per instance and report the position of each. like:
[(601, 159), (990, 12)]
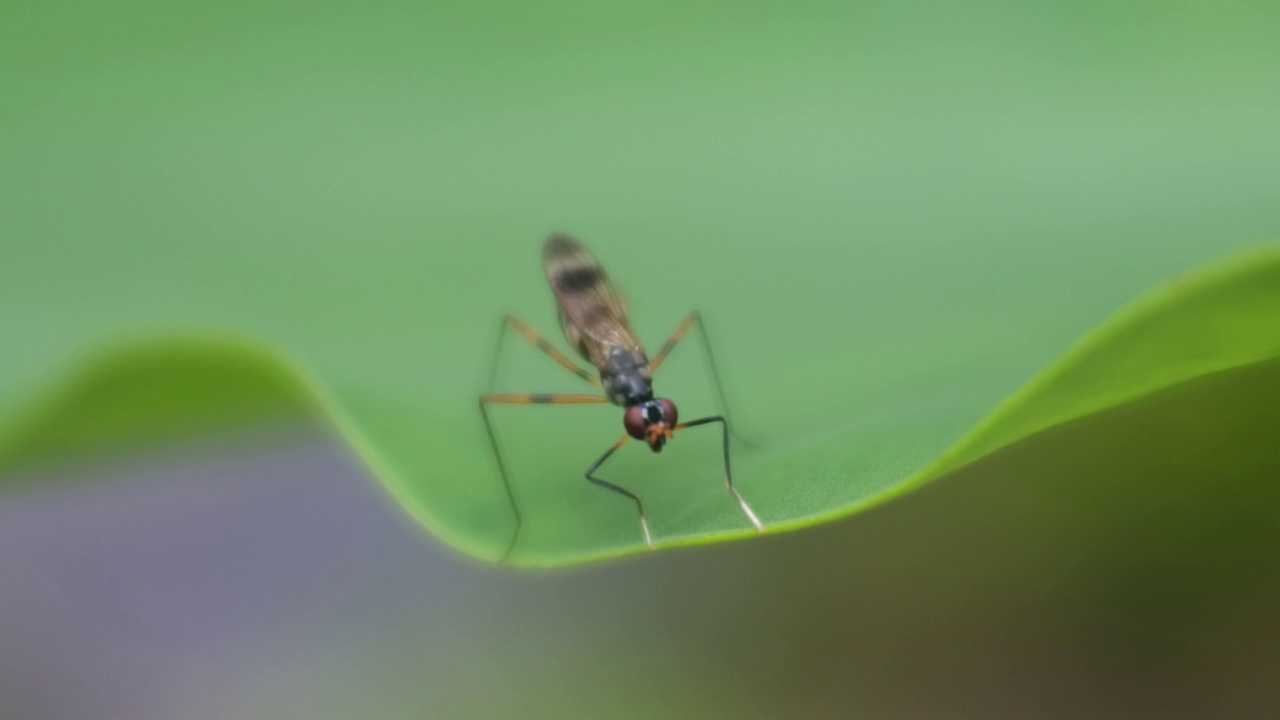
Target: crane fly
[(594, 320)]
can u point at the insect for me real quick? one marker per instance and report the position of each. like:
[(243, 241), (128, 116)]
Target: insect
[(594, 320)]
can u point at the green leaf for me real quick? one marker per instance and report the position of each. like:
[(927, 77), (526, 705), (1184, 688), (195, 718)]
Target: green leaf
[(891, 226)]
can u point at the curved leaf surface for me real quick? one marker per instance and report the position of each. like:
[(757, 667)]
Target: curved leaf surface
[(889, 224)]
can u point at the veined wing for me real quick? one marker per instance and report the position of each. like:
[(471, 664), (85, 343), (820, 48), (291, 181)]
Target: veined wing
[(592, 313)]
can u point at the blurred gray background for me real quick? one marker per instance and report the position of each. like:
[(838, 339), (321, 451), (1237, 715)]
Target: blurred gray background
[(274, 580)]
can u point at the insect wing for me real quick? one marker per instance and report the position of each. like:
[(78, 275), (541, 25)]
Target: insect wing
[(590, 307)]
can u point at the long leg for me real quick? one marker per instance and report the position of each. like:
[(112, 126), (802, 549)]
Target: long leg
[(693, 318), (690, 320), (728, 473), (644, 524), (522, 399), (539, 342)]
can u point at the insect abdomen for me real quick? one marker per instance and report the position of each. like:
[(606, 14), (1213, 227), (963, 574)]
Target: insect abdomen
[(570, 268), (575, 275), (592, 312)]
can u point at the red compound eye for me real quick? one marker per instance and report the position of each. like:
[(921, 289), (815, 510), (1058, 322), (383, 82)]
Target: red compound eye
[(634, 420), (669, 409)]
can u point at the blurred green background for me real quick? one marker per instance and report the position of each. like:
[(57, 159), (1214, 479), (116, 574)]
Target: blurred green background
[(892, 216)]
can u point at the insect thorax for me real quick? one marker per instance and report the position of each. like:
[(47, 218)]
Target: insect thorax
[(626, 378)]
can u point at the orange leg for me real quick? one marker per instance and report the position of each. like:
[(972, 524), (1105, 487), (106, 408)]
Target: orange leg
[(689, 321), (542, 344), (541, 399)]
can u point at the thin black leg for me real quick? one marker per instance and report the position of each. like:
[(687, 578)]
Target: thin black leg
[(522, 399), (510, 321), (506, 481), (692, 320), (644, 524), (728, 473)]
